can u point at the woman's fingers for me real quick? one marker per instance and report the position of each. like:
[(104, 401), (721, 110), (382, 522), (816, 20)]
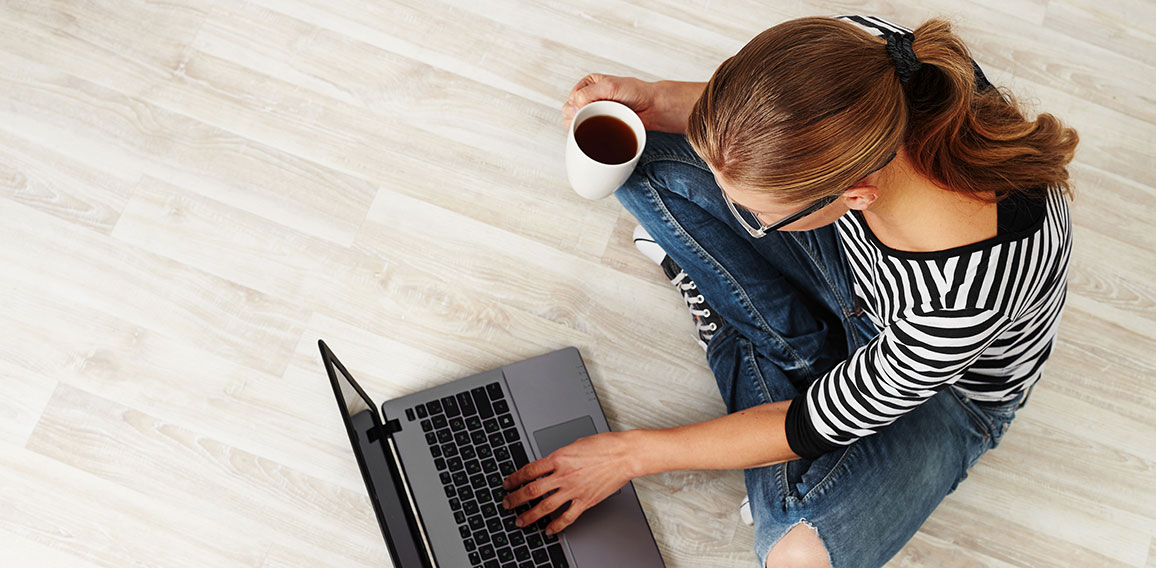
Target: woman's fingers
[(530, 472), (590, 88), (544, 507)]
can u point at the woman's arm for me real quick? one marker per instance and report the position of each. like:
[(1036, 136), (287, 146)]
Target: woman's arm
[(589, 470), (662, 105), (754, 437), (678, 97)]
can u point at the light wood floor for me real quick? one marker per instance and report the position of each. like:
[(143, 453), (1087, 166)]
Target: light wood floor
[(194, 191)]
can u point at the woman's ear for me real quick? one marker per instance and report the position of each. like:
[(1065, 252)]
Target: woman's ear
[(861, 196)]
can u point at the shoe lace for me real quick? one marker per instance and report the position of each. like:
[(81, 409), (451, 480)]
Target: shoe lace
[(687, 286)]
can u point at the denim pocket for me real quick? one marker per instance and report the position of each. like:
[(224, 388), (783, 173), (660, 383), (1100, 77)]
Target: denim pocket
[(1000, 417), (803, 479), (993, 420)]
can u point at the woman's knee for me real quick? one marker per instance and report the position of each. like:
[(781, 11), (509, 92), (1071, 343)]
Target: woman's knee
[(801, 547)]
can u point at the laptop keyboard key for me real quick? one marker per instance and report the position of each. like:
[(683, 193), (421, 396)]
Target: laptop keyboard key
[(457, 424), (482, 402), (487, 552), (459, 517), (501, 406), (468, 452), (435, 451), (481, 537), (482, 495), (489, 466), (540, 556), (464, 531), (475, 559), (479, 438), (409, 414), (474, 423), (477, 523), (491, 426), (464, 493), (449, 450), (477, 481), (450, 405), (522, 554), (512, 435), (471, 507), (495, 391), (449, 491), (455, 504), (455, 464), (507, 468), (434, 407), (517, 539), (534, 541), (446, 479), (445, 436), (495, 440), (440, 421), (431, 438), (473, 467), (495, 528), (470, 546), (421, 412), (466, 404), (504, 554), (506, 421), (440, 463), (460, 478), (426, 425), (519, 453), (557, 557)]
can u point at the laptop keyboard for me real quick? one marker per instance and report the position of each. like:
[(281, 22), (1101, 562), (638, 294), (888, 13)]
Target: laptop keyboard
[(475, 446)]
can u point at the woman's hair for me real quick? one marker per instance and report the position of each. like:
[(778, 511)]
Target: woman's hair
[(811, 106)]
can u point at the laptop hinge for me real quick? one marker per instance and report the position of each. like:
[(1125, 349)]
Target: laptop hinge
[(385, 430)]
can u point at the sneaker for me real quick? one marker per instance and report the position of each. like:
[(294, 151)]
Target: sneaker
[(705, 320)]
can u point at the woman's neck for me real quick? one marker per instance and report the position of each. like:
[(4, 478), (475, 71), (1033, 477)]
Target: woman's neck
[(915, 215)]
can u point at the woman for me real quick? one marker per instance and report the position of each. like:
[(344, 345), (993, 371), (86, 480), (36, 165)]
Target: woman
[(874, 244)]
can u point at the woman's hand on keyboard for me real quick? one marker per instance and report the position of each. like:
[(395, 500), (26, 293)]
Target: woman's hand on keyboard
[(582, 474)]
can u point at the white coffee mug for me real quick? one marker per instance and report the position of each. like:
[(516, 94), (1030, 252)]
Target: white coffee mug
[(589, 177)]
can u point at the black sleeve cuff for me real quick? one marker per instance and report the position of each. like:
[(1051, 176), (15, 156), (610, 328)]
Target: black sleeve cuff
[(804, 440)]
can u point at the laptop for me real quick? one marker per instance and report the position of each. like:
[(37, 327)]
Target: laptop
[(433, 463)]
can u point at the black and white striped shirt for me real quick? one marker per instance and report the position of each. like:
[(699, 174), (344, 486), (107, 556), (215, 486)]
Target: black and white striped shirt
[(982, 317)]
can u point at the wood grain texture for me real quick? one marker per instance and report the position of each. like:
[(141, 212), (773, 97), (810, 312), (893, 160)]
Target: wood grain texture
[(194, 192)]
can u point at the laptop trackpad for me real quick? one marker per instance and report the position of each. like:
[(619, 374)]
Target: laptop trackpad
[(554, 437)]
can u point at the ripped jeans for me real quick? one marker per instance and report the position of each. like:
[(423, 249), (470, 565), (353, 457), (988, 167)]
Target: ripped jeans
[(791, 315)]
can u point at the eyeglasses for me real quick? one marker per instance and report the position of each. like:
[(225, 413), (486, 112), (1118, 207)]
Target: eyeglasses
[(758, 229)]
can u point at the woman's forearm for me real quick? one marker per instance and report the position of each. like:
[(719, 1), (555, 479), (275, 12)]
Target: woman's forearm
[(754, 437), (678, 97)]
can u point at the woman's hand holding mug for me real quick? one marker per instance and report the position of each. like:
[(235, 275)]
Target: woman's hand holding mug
[(661, 105), (638, 106)]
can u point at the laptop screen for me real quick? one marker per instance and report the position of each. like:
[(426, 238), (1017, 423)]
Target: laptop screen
[(379, 473)]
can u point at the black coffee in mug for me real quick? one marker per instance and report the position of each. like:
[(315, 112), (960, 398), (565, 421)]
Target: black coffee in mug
[(606, 139)]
